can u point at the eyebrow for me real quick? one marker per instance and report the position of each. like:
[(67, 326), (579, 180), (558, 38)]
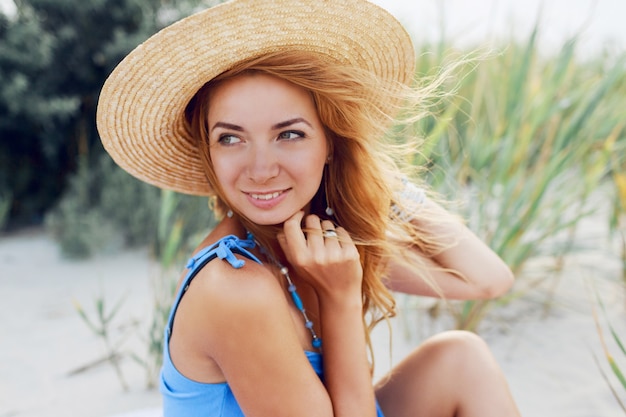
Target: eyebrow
[(277, 126), (290, 122), (229, 126)]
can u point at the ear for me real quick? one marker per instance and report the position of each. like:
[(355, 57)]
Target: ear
[(330, 149)]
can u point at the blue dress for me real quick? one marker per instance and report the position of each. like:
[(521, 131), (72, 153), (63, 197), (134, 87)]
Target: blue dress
[(183, 397)]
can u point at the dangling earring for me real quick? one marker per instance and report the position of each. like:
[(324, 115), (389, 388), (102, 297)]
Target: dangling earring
[(329, 210), (229, 213)]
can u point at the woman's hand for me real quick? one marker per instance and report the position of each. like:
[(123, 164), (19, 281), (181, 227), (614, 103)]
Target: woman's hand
[(331, 264)]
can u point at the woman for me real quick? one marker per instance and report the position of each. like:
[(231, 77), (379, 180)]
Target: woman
[(278, 110)]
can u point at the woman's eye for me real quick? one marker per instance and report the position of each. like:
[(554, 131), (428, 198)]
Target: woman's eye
[(228, 139), (291, 134)]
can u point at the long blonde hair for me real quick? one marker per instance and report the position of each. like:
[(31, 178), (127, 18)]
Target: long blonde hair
[(363, 176)]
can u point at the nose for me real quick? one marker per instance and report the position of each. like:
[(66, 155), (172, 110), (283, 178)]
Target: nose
[(263, 163)]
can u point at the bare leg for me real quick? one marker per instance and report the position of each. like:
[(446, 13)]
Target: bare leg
[(451, 374)]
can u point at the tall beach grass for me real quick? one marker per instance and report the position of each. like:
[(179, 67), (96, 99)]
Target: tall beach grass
[(522, 144)]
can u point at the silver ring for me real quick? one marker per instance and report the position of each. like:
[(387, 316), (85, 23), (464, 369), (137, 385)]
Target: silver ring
[(329, 233)]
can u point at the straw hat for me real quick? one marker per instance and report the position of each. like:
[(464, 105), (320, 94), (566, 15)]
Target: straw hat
[(141, 107)]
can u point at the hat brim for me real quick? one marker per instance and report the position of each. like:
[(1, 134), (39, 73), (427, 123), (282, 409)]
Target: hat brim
[(140, 114)]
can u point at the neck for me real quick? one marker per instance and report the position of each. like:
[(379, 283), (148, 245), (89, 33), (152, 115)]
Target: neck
[(265, 235)]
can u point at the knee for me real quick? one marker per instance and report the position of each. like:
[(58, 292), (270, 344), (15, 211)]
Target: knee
[(458, 348), (457, 339)]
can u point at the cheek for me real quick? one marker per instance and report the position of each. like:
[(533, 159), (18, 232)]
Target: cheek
[(313, 173), (223, 170), (305, 162), (318, 165)]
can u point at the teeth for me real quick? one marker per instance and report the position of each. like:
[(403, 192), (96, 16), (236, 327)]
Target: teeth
[(265, 196)]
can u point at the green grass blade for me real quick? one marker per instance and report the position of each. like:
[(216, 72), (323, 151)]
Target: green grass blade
[(609, 384), (616, 370)]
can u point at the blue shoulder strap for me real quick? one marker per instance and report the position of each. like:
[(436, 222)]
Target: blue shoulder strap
[(224, 249)]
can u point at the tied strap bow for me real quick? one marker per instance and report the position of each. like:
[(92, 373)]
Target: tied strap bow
[(225, 249)]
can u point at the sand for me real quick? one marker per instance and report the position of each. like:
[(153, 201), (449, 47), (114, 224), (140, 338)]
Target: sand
[(547, 356)]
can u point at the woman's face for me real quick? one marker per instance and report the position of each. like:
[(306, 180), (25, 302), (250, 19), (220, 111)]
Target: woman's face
[(267, 146)]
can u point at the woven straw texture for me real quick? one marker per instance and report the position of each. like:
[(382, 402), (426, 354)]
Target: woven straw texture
[(141, 107)]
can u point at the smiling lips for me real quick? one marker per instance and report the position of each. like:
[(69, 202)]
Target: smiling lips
[(266, 201), (268, 196)]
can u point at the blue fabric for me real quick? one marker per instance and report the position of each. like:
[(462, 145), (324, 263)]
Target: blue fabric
[(183, 397)]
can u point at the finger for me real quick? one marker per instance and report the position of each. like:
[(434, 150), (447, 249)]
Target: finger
[(327, 225), (347, 244), (293, 239), (344, 236), (282, 241), (314, 237), (329, 233)]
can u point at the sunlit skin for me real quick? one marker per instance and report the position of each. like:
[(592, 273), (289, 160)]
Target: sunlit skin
[(267, 146)]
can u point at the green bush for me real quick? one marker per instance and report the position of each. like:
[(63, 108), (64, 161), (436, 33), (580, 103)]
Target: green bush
[(79, 230), (74, 222), (130, 205), (105, 209)]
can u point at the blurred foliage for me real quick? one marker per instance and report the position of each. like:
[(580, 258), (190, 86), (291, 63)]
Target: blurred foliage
[(616, 153), (51, 160), (105, 209), (54, 58), (177, 236), (616, 364), (173, 223), (523, 143), (101, 323), (5, 205)]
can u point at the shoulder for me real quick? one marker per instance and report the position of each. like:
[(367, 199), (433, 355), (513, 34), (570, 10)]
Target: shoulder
[(222, 300), (231, 272), (238, 310), (225, 285), (222, 311)]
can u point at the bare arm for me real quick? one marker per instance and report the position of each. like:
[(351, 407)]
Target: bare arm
[(484, 274)]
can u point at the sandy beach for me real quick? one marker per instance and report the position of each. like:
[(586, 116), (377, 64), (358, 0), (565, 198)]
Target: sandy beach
[(547, 355)]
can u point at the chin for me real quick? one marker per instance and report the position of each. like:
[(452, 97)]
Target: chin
[(267, 220)]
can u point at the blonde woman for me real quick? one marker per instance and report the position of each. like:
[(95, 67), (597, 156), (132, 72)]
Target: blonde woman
[(278, 110)]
